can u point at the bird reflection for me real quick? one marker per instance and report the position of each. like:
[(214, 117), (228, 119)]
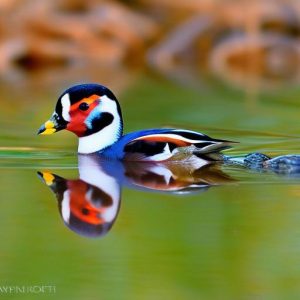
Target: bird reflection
[(90, 204)]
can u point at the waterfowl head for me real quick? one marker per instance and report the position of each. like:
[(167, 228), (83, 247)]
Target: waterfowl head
[(92, 112)]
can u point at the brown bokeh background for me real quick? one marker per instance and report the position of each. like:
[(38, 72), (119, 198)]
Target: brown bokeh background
[(243, 42)]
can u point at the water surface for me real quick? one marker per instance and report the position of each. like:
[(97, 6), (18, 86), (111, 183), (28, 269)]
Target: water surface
[(238, 240)]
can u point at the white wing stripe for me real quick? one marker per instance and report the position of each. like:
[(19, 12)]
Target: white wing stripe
[(174, 136), (189, 131)]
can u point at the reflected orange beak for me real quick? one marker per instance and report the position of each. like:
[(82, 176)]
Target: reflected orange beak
[(47, 177)]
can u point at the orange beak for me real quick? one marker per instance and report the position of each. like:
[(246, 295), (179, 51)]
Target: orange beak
[(50, 127)]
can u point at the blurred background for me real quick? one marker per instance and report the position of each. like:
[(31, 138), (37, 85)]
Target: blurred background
[(200, 55), (248, 44), (228, 68)]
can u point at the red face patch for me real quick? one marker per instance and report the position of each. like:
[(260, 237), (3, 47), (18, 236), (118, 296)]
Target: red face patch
[(79, 112)]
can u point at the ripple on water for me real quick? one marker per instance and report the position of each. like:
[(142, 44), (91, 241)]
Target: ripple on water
[(29, 157)]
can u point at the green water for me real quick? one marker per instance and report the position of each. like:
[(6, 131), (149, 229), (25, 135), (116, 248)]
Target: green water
[(235, 241)]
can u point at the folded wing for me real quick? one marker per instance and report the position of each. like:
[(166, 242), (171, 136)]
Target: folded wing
[(173, 144)]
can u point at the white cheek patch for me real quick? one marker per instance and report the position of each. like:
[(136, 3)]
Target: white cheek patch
[(66, 104), (105, 105), (109, 105), (106, 136)]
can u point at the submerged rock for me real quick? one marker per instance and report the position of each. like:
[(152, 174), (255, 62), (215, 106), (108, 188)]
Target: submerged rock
[(255, 160), (284, 164)]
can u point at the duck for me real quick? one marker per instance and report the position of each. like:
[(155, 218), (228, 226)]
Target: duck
[(92, 112)]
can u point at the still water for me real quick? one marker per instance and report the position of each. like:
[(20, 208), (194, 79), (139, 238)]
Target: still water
[(235, 234)]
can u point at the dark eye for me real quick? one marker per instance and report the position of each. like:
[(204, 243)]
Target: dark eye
[(85, 211), (84, 106)]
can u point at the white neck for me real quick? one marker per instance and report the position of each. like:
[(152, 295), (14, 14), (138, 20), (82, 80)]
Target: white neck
[(105, 137), (99, 140)]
